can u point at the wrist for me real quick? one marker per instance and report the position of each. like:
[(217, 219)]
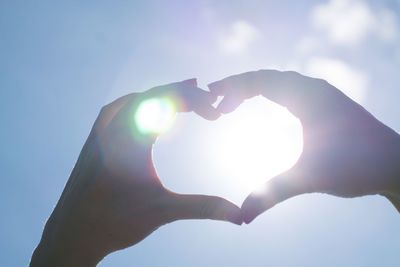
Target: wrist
[(63, 248), (395, 190), (392, 193), (47, 254)]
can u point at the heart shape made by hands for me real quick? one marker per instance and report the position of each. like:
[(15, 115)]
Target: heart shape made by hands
[(231, 156)]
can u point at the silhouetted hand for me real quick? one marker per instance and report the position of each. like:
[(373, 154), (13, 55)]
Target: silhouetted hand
[(114, 198), (346, 151)]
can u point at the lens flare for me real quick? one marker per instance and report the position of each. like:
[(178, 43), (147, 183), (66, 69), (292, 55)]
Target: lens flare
[(154, 115)]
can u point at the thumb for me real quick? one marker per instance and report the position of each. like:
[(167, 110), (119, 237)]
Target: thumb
[(204, 207), (276, 190), (235, 89)]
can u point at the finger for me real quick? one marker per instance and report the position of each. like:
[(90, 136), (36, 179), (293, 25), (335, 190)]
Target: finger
[(195, 99), (187, 97), (273, 84), (189, 82), (183, 96), (229, 103), (274, 191), (302, 95), (235, 90), (203, 207), (202, 105), (244, 84)]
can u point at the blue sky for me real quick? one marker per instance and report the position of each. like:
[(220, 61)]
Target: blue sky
[(61, 61)]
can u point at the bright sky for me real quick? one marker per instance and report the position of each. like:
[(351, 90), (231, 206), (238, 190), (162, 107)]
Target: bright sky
[(61, 62)]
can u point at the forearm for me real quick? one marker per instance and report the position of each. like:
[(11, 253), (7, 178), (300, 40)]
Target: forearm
[(47, 254), (393, 193), (63, 248)]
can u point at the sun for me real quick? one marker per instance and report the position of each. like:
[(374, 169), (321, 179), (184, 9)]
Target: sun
[(257, 141)]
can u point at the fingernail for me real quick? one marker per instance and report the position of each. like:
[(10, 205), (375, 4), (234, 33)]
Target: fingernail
[(192, 81), (234, 216)]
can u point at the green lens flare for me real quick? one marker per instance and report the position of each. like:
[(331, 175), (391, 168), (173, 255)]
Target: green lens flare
[(154, 115)]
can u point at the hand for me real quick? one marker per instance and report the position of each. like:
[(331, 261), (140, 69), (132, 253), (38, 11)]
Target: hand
[(114, 198), (346, 151)]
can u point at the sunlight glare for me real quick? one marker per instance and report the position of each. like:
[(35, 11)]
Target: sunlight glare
[(255, 142), (154, 115)]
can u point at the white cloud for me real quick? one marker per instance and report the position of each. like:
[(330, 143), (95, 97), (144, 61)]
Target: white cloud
[(348, 22), (307, 45), (387, 25), (242, 34), (340, 74)]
